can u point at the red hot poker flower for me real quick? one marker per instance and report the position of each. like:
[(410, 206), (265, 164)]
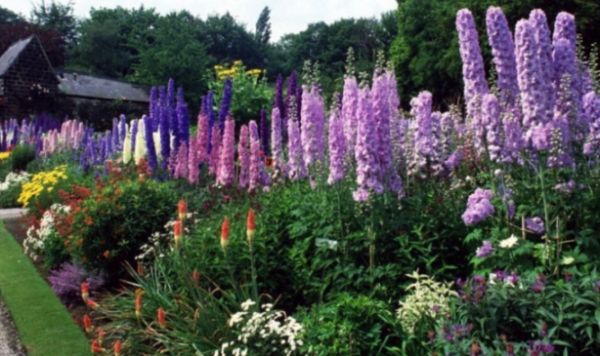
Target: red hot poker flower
[(85, 291), (118, 348), (161, 315), (250, 226), (87, 323), (138, 306), (225, 234)]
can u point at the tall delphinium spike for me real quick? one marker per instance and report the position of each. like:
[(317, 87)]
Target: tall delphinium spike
[(264, 132), (153, 108), (591, 108), (491, 117), (565, 27), (307, 125), (279, 103), (202, 138), (193, 164), (122, 129), (422, 140), (140, 142), (367, 165), (225, 103), (164, 127), (296, 168), (567, 81), (213, 160), (277, 142), (349, 102), (150, 147), (290, 97), (244, 156), (470, 52), (183, 119), (255, 159), (181, 166), (337, 145), (210, 113), (226, 169), (543, 55), (530, 83), (503, 50)]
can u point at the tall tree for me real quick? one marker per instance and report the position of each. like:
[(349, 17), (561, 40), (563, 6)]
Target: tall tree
[(7, 16), (263, 27), (58, 17)]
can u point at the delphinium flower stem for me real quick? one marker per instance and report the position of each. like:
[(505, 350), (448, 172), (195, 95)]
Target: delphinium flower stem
[(545, 201), (254, 277)]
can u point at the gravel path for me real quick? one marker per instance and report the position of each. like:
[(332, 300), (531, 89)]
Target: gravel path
[(11, 213), (9, 337)]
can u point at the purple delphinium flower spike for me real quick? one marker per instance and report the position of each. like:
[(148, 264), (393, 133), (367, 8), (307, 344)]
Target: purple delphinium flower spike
[(337, 146), (503, 50), (181, 167), (226, 169), (470, 52), (367, 165), (277, 141), (183, 119), (264, 132), (165, 136), (244, 156), (485, 250), (150, 147), (591, 108), (543, 57), (296, 168), (255, 159), (349, 107), (491, 117), (279, 104)]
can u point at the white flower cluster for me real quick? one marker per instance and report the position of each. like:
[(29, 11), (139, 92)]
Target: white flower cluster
[(270, 332), (34, 243), (428, 298), (149, 249), (14, 178)]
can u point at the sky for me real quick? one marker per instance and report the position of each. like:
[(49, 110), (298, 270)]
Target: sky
[(287, 16)]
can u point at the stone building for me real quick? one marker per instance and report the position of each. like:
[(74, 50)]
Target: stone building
[(30, 86)]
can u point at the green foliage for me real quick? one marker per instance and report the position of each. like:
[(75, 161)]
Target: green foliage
[(9, 197), (348, 325), (21, 156), (561, 312)]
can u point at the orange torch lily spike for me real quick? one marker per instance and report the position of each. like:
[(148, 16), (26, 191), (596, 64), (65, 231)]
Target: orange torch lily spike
[(250, 226), (182, 209), (92, 304), (140, 269), (138, 306), (85, 291), (196, 277), (87, 324), (100, 336), (96, 348), (118, 348), (177, 233), (162, 322), (225, 234)]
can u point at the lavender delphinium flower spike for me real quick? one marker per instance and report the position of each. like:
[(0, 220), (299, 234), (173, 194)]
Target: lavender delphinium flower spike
[(244, 156), (485, 250), (255, 159), (193, 164), (564, 27), (337, 146), (491, 116), (226, 169), (225, 102), (264, 132), (349, 104), (421, 109), (296, 168), (470, 52), (503, 50), (210, 114), (367, 165), (591, 108), (277, 139), (181, 166), (543, 56)]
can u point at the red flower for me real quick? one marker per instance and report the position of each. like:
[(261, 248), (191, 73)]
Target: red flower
[(161, 315), (138, 306), (87, 323), (92, 304), (85, 291), (177, 232), (96, 348), (182, 209), (225, 234), (118, 348), (250, 226), (100, 336), (140, 269), (196, 277)]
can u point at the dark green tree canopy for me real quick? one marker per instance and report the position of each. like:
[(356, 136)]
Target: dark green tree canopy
[(58, 17), (263, 27)]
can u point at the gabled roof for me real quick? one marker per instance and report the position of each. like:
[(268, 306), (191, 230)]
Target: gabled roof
[(91, 86), (7, 59)]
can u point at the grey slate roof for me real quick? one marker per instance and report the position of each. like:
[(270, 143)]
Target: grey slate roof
[(12, 53), (90, 86)]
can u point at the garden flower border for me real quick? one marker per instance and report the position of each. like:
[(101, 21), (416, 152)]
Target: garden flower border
[(44, 324)]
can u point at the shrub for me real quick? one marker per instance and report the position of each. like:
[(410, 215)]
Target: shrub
[(10, 189), (21, 156)]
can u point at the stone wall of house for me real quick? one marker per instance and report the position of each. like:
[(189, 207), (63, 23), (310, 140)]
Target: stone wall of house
[(30, 85)]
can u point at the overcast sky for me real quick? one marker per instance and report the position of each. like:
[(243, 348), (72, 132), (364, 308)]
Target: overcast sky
[(287, 16)]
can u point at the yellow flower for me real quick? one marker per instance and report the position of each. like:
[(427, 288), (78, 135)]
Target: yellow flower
[(4, 155)]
